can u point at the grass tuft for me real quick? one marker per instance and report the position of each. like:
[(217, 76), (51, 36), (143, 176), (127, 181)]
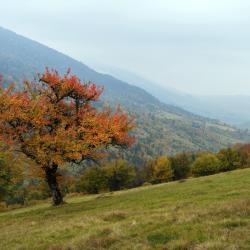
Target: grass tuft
[(98, 242), (115, 216)]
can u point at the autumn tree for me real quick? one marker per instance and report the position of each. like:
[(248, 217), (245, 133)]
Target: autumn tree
[(53, 122), (5, 178), (162, 171), (144, 174), (244, 151), (119, 174), (205, 164), (92, 181), (11, 177), (181, 164), (230, 159)]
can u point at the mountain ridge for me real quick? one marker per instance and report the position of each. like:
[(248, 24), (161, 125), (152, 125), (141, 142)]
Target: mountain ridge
[(229, 108)]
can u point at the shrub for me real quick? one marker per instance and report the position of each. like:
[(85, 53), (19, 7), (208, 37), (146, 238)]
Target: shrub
[(205, 164), (162, 170), (114, 175), (244, 151), (145, 173), (92, 181), (145, 184), (230, 159), (181, 164), (119, 174), (5, 179)]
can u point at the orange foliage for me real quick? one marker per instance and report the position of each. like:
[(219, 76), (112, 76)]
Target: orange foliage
[(53, 120)]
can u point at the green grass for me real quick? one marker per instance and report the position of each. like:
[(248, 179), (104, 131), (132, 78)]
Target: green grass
[(204, 213)]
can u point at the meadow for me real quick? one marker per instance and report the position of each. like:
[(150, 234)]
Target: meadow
[(210, 212)]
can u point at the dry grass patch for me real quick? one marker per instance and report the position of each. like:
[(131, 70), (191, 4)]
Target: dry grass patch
[(98, 242), (115, 216)]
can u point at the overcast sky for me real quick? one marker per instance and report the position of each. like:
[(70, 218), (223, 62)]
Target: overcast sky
[(197, 46)]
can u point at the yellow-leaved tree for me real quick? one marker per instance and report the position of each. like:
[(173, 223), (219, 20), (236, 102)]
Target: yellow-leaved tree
[(162, 171)]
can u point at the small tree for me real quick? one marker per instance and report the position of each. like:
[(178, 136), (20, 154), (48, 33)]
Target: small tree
[(53, 122), (205, 164), (230, 159), (244, 151), (119, 174), (5, 179), (181, 165), (145, 173), (11, 178), (92, 181), (162, 170)]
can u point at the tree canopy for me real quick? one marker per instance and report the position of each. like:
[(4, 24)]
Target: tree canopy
[(53, 122)]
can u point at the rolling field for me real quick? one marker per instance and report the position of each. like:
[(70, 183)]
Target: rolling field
[(203, 213)]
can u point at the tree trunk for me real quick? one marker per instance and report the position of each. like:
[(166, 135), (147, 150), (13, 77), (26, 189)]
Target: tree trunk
[(50, 173)]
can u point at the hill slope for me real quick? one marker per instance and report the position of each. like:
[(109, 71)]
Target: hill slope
[(232, 109), (204, 213), (162, 129)]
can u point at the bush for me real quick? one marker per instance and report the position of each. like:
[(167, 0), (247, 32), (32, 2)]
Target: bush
[(119, 174), (244, 151), (5, 179), (181, 165), (230, 159), (205, 164), (3, 207), (146, 184), (145, 173), (92, 181), (162, 171), (114, 175)]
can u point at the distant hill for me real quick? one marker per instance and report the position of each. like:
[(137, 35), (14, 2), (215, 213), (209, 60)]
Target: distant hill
[(162, 128), (232, 109)]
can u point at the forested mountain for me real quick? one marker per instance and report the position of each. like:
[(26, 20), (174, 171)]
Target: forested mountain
[(231, 109), (162, 128)]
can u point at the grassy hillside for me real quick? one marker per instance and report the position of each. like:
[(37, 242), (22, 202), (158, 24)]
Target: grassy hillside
[(204, 213)]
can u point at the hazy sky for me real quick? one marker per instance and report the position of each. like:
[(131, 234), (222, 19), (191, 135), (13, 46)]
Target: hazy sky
[(198, 46)]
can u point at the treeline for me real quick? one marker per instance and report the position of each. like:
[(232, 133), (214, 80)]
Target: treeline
[(19, 186), (117, 175), (170, 136)]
